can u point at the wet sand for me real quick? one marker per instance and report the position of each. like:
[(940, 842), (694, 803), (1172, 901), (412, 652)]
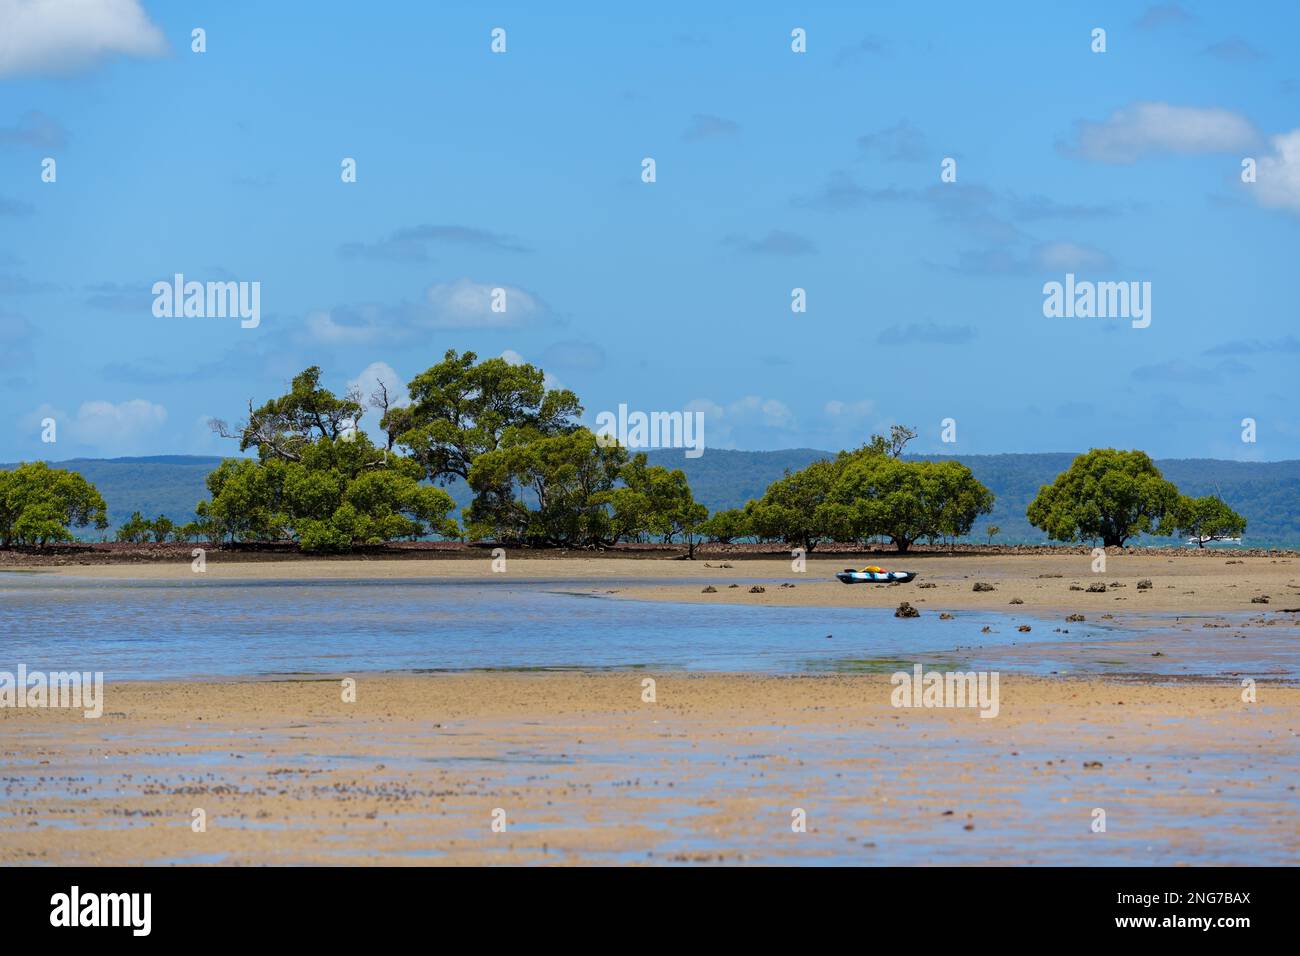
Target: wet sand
[(1188, 585), (1181, 582), (585, 771)]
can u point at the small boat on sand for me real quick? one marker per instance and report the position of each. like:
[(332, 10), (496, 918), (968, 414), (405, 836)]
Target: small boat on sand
[(874, 575)]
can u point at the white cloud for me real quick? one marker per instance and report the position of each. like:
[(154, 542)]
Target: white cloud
[(115, 428), (367, 383), (108, 425), (768, 412), (1144, 128), (1278, 180), (462, 304), (345, 326), (1070, 255), (59, 36), (466, 304), (849, 411)]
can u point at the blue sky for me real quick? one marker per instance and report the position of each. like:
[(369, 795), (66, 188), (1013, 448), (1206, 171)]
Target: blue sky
[(774, 170)]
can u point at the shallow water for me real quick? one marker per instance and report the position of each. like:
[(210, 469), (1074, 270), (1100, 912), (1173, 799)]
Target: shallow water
[(897, 794), (151, 630), (147, 630)]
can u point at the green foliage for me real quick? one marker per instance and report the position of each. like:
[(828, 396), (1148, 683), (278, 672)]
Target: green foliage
[(288, 426), (726, 526), (462, 408), (157, 484), (345, 492), (464, 412), (905, 501), (39, 505), (319, 481), (1107, 494), (870, 492), (138, 529), (246, 501), (655, 501), (494, 430), (1207, 519), (573, 490), (1266, 494), (567, 476), (954, 495), (893, 444), (797, 508)]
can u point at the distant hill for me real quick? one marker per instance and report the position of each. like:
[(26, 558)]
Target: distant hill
[(156, 485), (727, 479), (1267, 493)]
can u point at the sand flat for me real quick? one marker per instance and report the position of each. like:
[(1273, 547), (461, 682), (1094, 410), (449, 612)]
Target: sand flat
[(585, 771), (1187, 582)]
